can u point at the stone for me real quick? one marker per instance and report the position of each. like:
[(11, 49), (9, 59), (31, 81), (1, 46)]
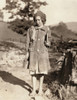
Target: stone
[(47, 92)]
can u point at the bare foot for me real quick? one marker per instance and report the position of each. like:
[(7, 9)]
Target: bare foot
[(41, 93), (33, 93)]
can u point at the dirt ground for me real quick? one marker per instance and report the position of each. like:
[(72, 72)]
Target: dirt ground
[(15, 80), (14, 84)]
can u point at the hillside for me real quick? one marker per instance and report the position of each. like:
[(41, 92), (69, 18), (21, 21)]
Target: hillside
[(62, 31), (8, 34), (72, 26)]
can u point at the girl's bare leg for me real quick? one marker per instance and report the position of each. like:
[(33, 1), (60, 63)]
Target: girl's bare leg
[(34, 85), (41, 85)]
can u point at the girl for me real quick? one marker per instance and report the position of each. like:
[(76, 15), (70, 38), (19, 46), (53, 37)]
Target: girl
[(37, 43)]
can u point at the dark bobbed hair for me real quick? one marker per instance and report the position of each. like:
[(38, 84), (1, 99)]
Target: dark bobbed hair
[(42, 15)]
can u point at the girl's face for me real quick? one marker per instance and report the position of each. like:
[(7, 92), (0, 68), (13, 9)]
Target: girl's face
[(39, 21)]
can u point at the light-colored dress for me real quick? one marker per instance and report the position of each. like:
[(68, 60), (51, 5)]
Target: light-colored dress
[(36, 45)]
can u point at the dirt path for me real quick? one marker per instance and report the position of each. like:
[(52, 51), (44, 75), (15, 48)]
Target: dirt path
[(14, 84)]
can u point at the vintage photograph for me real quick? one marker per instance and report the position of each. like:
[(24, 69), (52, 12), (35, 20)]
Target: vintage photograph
[(38, 50)]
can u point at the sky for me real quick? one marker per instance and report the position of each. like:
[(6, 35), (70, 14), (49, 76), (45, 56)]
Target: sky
[(60, 11)]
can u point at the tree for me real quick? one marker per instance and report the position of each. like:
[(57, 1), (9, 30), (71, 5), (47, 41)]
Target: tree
[(22, 15)]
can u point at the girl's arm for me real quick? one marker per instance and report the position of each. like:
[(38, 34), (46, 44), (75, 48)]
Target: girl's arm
[(25, 62), (27, 41), (47, 42)]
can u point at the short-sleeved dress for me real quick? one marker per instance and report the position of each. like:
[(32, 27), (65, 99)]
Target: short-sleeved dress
[(38, 52)]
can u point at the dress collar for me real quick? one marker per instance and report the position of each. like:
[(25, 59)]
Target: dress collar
[(42, 28)]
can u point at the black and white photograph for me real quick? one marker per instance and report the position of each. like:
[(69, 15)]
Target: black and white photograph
[(38, 49)]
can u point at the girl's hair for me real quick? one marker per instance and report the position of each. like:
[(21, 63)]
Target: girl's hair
[(42, 15)]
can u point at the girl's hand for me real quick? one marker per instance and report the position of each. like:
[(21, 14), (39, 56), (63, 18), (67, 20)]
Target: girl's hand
[(27, 55), (25, 62), (47, 44)]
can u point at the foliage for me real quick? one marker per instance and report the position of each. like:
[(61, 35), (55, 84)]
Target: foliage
[(61, 36), (20, 26), (23, 23)]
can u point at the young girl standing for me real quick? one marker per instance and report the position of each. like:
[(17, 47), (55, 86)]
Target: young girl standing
[(37, 43)]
